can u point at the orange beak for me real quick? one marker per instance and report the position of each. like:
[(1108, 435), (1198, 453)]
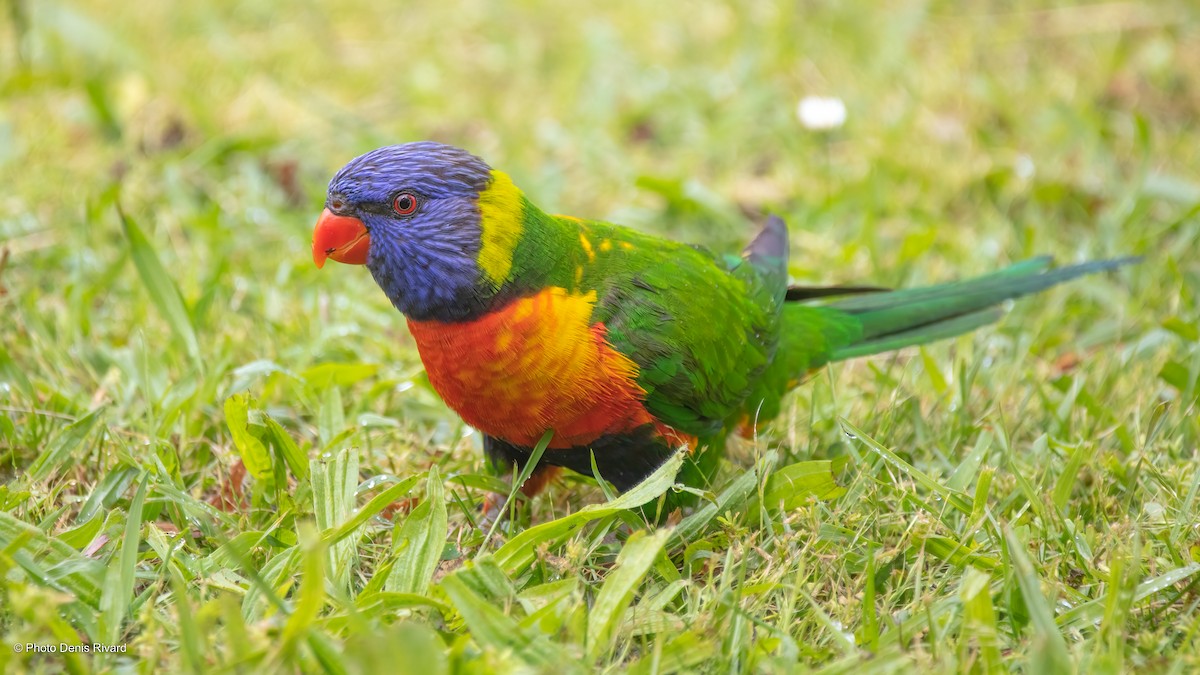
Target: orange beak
[(343, 238)]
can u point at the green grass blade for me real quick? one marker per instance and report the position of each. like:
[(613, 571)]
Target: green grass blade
[(190, 641), (1065, 483), (1122, 589), (250, 448), (161, 287), (979, 621), (635, 560), (333, 485), (869, 633), (64, 445), (491, 628), (843, 641), (683, 654), (1048, 649), (311, 597), (952, 497), (371, 509), (385, 602), (1089, 613), (66, 569), (969, 467), (419, 540), (733, 497), (520, 551), (792, 485), (276, 575), (331, 422), (118, 588), (283, 442), (535, 457)]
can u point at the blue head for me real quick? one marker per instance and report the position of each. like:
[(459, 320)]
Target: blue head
[(411, 213)]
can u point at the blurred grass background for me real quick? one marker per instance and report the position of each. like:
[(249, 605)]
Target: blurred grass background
[(976, 134)]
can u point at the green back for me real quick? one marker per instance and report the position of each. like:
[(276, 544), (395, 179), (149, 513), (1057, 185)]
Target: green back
[(701, 329), (715, 342)]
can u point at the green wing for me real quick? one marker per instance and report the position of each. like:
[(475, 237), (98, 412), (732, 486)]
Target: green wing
[(701, 329)]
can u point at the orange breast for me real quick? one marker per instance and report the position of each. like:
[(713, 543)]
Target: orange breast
[(534, 365)]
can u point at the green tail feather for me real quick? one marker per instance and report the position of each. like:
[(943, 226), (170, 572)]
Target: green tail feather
[(906, 318), (814, 335)]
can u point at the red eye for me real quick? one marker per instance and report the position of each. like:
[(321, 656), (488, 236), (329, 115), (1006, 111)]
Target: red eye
[(405, 203)]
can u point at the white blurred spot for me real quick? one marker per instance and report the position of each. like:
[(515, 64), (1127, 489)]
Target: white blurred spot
[(820, 113), (1024, 167)]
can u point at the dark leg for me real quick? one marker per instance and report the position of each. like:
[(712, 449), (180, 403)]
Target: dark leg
[(623, 460)]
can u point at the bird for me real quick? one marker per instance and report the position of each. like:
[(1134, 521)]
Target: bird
[(621, 345)]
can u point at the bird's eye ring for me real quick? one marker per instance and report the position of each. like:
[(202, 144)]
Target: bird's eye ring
[(404, 204)]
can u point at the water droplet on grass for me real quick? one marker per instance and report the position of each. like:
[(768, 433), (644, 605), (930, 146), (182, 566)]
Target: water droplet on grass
[(375, 481)]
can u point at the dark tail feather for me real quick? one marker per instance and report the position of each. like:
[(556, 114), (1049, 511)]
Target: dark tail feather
[(802, 293), (916, 316)]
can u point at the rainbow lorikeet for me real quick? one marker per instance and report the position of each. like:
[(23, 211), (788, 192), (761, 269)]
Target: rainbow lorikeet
[(625, 345)]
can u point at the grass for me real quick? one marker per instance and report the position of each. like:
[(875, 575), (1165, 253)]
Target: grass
[(1024, 498)]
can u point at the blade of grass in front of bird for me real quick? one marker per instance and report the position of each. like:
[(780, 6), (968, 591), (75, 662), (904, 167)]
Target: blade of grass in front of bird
[(419, 541), (118, 587), (311, 596), (84, 578), (684, 653), (490, 627), (1088, 613), (371, 509), (162, 289), (250, 447), (869, 632), (333, 485), (635, 560), (535, 456), (276, 574), (952, 497), (842, 638), (190, 642), (979, 621), (609, 493), (1048, 652), (520, 551), (969, 466), (65, 443), (789, 487), (1080, 455), (736, 492), (1122, 586)]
